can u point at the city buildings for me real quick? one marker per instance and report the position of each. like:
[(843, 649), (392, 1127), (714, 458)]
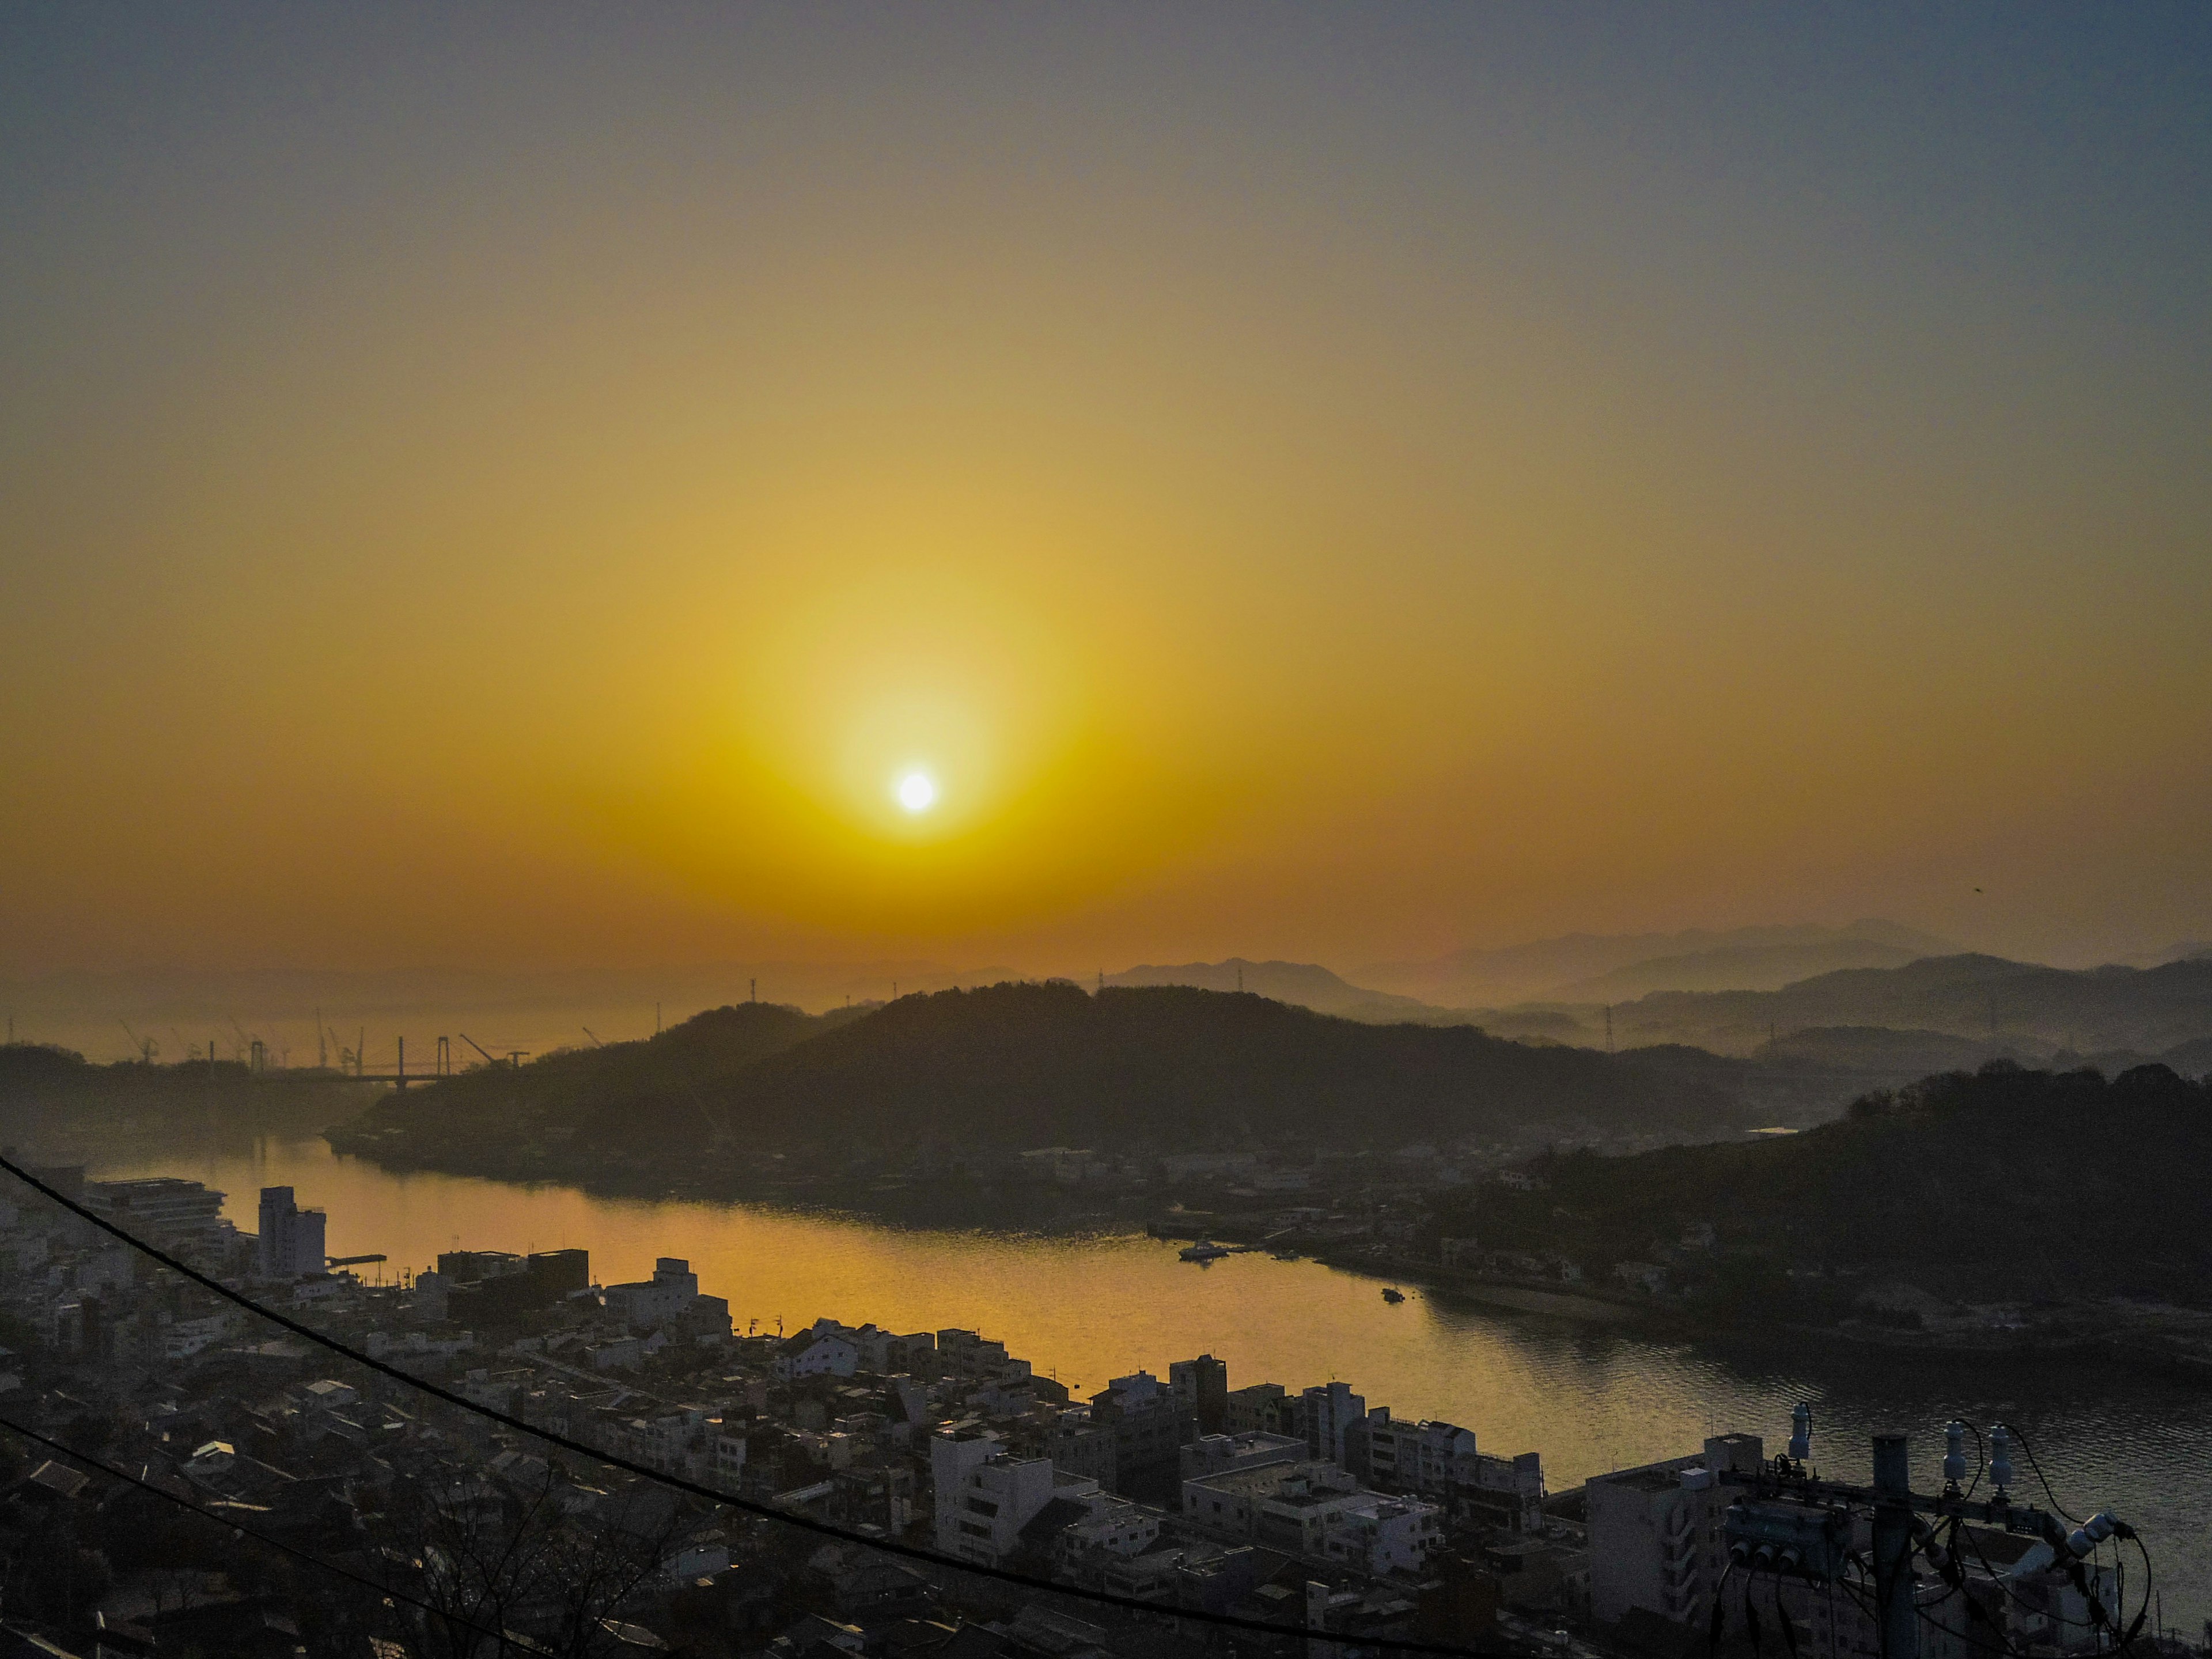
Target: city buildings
[(941, 1439), (290, 1242)]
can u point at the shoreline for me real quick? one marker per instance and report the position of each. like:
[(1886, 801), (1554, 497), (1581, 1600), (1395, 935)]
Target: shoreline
[(1044, 1213)]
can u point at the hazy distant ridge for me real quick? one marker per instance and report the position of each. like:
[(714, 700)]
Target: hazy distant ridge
[(1572, 968)]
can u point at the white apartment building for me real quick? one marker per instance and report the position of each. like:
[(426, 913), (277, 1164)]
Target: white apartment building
[(1379, 1534), (827, 1349), (1317, 1511), (984, 1498), (1655, 1532), (647, 1305)]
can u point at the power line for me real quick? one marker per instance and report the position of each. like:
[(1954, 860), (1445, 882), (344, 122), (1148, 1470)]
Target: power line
[(708, 1494), (292, 1550)]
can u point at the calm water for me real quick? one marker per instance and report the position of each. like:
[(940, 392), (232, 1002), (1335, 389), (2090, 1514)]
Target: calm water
[(1590, 1397)]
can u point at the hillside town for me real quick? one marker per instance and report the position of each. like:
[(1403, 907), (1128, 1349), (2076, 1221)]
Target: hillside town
[(418, 1527)]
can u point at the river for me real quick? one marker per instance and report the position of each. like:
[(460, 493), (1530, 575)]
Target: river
[(1589, 1395)]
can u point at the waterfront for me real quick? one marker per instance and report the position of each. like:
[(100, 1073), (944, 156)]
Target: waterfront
[(1590, 1396)]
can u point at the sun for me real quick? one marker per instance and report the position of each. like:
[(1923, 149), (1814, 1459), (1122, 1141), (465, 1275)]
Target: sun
[(917, 792)]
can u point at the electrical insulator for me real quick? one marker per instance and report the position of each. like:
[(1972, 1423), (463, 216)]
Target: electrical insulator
[(2001, 1456), (1801, 1439), (2091, 1533), (1955, 1453)]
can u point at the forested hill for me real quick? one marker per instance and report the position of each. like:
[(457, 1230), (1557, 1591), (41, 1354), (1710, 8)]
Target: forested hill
[(1030, 1065), (56, 1104), (2003, 1184)]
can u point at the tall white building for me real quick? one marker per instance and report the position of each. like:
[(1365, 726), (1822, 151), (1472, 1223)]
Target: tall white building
[(292, 1243)]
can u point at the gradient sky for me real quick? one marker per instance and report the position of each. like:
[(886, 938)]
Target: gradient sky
[(519, 484)]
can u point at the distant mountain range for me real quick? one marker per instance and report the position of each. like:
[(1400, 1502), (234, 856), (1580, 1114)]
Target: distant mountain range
[(1611, 968), (1881, 1017), (2130, 1011)]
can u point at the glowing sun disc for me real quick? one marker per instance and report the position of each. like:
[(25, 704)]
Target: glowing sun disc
[(916, 793)]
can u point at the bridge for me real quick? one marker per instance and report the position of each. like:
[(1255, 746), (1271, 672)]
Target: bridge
[(441, 1064)]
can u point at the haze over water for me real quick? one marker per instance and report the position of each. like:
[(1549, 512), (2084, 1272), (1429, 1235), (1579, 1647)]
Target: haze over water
[(1590, 1396)]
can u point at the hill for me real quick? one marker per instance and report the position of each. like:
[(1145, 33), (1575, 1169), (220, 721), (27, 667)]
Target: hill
[(60, 1107), (2000, 1185), (1554, 970), (1019, 1066), (2143, 1010), (1737, 967), (1304, 983)]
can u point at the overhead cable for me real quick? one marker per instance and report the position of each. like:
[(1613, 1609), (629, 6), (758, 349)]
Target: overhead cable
[(708, 1494)]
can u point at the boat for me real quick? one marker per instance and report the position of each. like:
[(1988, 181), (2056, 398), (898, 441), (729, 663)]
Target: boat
[(1204, 1250), (1393, 1295)]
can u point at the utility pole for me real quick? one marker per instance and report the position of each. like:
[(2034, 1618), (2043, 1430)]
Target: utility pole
[(1895, 1608), (756, 992), (1792, 1524), (402, 1062)]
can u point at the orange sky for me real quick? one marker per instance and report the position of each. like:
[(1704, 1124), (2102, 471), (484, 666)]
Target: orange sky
[(509, 488)]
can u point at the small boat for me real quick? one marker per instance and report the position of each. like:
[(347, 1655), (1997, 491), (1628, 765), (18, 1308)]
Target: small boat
[(1393, 1295), (1204, 1250)]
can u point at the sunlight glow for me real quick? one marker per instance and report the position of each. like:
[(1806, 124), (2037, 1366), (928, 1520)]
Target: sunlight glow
[(916, 793)]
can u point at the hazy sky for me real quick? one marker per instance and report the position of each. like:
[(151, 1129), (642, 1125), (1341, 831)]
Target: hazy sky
[(524, 484)]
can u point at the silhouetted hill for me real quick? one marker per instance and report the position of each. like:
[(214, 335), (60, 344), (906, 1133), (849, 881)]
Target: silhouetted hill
[(2145, 1010), (1017, 1065), (664, 1077), (1698, 958), (56, 1104), (1305, 983), (1737, 967), (2000, 1185)]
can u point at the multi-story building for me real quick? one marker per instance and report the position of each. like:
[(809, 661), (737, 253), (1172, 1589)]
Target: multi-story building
[(647, 1305), (1317, 1511), (1655, 1532), (826, 1350), (1402, 1457), (291, 1243), (1259, 1407), (985, 1503), (1324, 1415), (161, 1205), (1079, 1446), (1149, 1425), (1218, 1454), (1440, 1460), (1201, 1387)]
